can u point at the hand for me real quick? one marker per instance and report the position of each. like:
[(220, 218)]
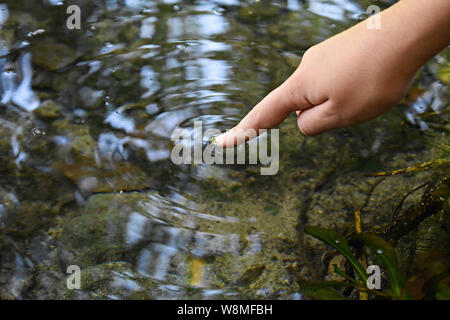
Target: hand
[(352, 77)]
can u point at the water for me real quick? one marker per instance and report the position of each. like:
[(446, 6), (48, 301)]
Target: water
[(85, 171)]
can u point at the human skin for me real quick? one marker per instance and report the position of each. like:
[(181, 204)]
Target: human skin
[(356, 75)]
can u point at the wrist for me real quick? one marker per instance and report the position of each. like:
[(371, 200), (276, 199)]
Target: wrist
[(419, 29)]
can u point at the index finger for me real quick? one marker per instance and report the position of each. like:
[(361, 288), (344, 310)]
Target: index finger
[(268, 113)]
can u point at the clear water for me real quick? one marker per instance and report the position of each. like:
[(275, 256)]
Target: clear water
[(85, 172)]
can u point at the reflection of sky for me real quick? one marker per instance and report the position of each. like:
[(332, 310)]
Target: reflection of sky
[(208, 24), (207, 71), (148, 27), (335, 9), (213, 71), (3, 13), (20, 94), (149, 81), (175, 28), (293, 5), (196, 26)]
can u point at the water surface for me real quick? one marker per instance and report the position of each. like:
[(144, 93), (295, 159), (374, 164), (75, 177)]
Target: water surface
[(85, 172)]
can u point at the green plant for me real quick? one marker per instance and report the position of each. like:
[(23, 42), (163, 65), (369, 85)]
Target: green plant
[(381, 252)]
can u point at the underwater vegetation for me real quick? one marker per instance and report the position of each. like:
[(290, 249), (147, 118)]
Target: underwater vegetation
[(86, 177), (427, 278)]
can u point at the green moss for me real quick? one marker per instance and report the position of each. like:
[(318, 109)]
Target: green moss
[(48, 110), (51, 55)]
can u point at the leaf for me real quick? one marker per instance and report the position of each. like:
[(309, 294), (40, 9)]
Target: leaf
[(443, 290), (340, 244), (387, 257), (342, 274), (323, 290), (327, 294)]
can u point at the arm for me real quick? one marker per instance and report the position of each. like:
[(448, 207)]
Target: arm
[(356, 75)]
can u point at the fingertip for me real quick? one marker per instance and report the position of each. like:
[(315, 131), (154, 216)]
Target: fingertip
[(220, 140)]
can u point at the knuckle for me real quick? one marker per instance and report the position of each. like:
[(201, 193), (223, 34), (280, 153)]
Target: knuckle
[(309, 52)]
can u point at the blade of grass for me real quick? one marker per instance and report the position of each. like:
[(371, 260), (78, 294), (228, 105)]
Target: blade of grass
[(387, 257), (340, 244)]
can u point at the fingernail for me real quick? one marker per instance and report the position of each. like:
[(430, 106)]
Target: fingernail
[(220, 139)]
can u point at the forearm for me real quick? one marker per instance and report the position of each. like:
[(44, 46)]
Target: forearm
[(421, 29)]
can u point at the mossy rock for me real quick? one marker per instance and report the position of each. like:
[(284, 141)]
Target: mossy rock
[(51, 55), (48, 110), (259, 10), (111, 280), (98, 234), (444, 73)]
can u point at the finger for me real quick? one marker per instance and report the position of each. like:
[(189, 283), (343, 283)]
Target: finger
[(271, 111), (318, 119)]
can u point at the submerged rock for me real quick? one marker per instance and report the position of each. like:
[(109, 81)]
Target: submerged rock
[(52, 56), (112, 280), (97, 235), (48, 110)]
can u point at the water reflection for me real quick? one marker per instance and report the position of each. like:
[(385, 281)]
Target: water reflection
[(337, 10), (20, 94), (85, 143)]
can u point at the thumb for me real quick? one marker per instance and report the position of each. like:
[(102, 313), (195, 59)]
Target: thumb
[(268, 113), (318, 119)]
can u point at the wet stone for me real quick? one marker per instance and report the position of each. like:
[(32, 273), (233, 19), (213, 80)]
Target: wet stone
[(48, 110), (51, 55)]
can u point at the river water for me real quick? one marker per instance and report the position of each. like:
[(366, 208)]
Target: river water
[(86, 177)]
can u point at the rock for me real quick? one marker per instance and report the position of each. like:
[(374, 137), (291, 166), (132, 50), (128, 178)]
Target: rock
[(98, 234), (48, 110), (89, 177), (52, 56), (444, 73), (111, 280), (83, 145)]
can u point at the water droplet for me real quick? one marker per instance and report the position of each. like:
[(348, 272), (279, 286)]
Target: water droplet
[(379, 251), (38, 132), (336, 241), (176, 7), (219, 11)]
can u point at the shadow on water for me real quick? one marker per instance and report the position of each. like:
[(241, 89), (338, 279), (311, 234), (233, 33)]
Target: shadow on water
[(86, 178)]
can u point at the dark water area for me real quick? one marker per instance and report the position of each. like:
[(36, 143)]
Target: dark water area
[(86, 179)]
